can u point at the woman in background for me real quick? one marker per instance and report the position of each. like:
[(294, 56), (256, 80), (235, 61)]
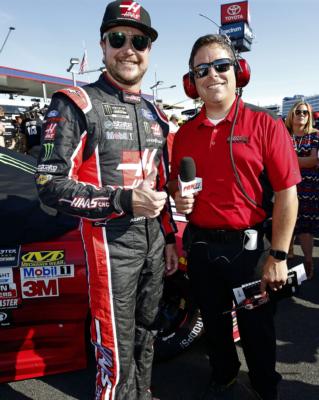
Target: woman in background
[(305, 140)]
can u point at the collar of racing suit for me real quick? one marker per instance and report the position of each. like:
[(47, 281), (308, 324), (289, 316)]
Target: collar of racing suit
[(125, 95)]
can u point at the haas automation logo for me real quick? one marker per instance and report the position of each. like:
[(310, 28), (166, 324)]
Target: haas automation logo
[(135, 168)]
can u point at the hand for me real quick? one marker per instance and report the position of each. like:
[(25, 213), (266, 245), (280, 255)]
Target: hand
[(171, 259), (274, 275), (185, 204), (147, 202)]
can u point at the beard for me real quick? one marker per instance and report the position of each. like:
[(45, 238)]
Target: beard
[(121, 78)]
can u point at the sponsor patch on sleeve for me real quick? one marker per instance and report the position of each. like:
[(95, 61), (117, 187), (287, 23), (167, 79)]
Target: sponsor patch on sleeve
[(43, 179), (53, 114), (50, 131)]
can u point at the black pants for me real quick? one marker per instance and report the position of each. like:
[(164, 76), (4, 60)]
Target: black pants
[(215, 267)]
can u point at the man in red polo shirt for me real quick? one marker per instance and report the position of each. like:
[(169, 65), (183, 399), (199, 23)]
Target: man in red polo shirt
[(249, 173)]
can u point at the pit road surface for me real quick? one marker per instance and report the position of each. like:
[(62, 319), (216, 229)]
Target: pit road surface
[(184, 377)]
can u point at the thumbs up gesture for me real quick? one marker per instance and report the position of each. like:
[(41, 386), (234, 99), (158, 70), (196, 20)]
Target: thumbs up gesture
[(146, 201)]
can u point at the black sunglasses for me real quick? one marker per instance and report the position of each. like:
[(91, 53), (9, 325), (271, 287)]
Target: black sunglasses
[(221, 65), (118, 39), (301, 112)]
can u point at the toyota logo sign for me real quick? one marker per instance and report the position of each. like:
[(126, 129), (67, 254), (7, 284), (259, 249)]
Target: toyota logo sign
[(233, 9), (234, 12)]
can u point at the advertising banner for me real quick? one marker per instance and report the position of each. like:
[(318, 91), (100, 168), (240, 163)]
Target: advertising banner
[(235, 12), (239, 30)]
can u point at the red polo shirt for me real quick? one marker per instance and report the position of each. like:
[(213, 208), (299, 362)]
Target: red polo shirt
[(263, 155)]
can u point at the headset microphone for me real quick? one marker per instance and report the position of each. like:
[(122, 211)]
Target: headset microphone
[(187, 181), (242, 69)]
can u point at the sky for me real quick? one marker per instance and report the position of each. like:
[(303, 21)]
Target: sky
[(284, 57)]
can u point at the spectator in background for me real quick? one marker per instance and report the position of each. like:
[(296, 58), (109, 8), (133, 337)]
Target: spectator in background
[(2, 128), (20, 137), (6, 131), (173, 128), (305, 140), (32, 128), (2, 116), (2, 131), (173, 123)]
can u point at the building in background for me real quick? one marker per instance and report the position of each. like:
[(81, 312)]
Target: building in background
[(288, 102)]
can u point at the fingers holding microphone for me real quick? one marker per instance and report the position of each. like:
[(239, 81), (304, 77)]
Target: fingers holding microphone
[(184, 204)]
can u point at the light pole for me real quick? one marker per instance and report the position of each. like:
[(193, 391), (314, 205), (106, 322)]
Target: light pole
[(101, 69), (89, 71), (73, 61), (11, 28), (154, 89)]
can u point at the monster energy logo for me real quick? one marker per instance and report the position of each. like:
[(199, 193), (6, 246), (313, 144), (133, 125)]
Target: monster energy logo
[(48, 150)]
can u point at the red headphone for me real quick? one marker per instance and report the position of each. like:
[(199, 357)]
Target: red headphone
[(242, 73)]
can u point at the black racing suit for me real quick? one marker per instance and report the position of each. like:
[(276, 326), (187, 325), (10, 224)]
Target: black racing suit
[(99, 142)]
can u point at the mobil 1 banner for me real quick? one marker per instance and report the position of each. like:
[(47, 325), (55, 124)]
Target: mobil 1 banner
[(47, 272), (9, 256)]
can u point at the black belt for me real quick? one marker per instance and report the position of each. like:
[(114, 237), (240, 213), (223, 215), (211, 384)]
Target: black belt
[(218, 235)]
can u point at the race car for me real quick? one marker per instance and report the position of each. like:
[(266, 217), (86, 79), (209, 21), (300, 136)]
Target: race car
[(44, 311)]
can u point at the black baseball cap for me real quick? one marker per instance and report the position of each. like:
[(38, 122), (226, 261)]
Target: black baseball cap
[(128, 13)]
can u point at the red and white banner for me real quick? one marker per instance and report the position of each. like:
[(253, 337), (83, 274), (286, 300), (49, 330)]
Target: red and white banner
[(234, 12)]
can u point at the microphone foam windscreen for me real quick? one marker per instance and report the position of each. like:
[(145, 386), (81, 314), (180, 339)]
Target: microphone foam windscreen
[(187, 170)]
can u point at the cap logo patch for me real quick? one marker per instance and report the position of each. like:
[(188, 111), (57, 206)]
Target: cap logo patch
[(131, 10)]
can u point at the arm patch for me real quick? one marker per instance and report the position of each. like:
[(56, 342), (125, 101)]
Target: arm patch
[(79, 97)]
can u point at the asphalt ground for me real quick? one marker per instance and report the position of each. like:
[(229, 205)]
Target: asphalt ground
[(184, 377)]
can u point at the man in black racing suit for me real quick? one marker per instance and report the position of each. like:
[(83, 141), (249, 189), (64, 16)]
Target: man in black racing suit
[(104, 159)]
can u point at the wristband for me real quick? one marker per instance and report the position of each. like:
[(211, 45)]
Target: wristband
[(278, 254)]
